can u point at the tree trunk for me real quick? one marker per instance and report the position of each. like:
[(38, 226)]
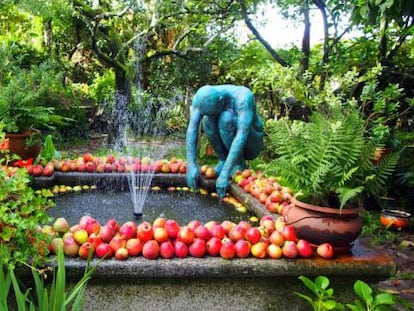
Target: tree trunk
[(306, 38)]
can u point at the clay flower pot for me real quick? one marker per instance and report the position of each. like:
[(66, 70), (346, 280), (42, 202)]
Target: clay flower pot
[(19, 144), (318, 224), (395, 219)]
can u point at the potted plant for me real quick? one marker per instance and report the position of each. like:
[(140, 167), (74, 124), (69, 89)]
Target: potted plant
[(25, 108), (328, 163)]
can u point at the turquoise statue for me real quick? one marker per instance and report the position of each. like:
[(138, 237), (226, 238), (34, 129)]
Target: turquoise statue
[(232, 126)]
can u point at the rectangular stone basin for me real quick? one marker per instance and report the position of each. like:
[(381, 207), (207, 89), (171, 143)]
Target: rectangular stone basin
[(212, 283)]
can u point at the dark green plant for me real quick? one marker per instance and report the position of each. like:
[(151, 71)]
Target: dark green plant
[(26, 100), (45, 297), (367, 299), (328, 160)]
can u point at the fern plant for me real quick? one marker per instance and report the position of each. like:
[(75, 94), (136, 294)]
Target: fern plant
[(328, 161)]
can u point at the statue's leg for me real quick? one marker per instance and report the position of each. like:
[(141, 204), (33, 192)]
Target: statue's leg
[(254, 142), (210, 127), (228, 130)]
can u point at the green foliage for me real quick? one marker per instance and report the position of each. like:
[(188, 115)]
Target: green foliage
[(22, 211), (377, 233), (324, 296), (327, 159), (26, 100), (49, 151), (46, 297), (367, 299)]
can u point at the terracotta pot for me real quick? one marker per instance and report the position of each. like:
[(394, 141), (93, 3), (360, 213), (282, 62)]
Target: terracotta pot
[(318, 224), (395, 219), (19, 144)]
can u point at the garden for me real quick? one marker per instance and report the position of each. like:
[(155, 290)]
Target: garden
[(95, 106)]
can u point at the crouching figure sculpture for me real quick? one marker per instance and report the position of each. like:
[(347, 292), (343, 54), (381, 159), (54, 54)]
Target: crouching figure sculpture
[(233, 127)]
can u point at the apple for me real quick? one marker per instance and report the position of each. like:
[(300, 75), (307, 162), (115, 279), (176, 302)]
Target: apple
[(213, 246), (110, 159), (134, 247), (114, 224), (280, 223), (325, 250), (106, 233), (95, 239), (121, 253), (48, 170), (55, 244), (268, 226), (289, 233), (89, 167), (61, 225), (159, 222), (86, 250), (70, 247), (259, 249), (202, 232), (242, 248), (274, 251), (37, 170), (186, 235), (210, 224), (197, 248), (104, 250), (145, 231), (276, 196), (218, 231), (128, 230), (80, 236), (90, 224), (194, 224), (172, 228), (304, 248), (167, 250), (237, 233), (290, 250), (180, 249), (276, 238), (117, 242), (160, 234), (227, 249), (88, 157), (151, 249), (253, 235), (210, 173), (227, 226), (245, 224)]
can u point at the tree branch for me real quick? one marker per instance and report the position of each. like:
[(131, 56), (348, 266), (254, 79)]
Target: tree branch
[(267, 46)]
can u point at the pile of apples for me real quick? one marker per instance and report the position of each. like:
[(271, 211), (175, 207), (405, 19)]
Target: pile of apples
[(267, 190), (99, 164), (166, 238)]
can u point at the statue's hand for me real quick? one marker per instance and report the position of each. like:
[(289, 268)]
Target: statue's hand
[(221, 186), (192, 177)]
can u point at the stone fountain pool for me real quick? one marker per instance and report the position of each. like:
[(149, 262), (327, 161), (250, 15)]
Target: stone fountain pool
[(212, 282)]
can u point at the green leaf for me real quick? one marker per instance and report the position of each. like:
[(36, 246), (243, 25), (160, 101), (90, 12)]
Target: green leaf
[(364, 291), (322, 282), (384, 299)]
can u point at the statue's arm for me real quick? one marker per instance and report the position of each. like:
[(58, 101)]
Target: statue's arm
[(244, 122), (191, 147)]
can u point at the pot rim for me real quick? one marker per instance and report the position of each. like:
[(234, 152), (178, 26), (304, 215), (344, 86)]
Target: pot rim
[(324, 209), (396, 213)]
